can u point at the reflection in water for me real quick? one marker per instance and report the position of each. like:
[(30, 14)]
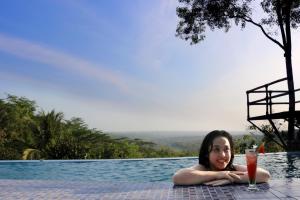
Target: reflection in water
[(281, 165), (292, 165)]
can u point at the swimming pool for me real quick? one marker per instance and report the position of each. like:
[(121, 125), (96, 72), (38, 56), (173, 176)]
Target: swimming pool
[(280, 165)]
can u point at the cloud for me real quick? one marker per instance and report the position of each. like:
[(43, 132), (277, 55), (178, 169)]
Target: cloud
[(35, 52), (157, 29), (139, 95)]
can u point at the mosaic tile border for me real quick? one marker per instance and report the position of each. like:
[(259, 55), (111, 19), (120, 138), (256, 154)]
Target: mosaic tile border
[(41, 189)]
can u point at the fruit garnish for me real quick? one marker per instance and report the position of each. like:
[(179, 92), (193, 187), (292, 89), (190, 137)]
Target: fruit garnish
[(261, 148)]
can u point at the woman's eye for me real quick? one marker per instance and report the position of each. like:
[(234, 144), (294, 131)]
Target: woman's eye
[(216, 150)]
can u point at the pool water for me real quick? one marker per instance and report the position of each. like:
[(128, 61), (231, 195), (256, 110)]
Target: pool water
[(280, 165)]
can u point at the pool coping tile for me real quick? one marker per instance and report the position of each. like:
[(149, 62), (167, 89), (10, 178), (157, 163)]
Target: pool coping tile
[(49, 189)]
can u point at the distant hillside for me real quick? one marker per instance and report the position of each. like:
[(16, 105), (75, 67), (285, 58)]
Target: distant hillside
[(178, 140), (167, 134)]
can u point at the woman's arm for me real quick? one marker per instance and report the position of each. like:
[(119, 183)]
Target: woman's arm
[(262, 175), (198, 174)]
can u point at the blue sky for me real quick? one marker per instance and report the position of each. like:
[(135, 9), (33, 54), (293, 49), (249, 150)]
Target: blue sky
[(118, 65)]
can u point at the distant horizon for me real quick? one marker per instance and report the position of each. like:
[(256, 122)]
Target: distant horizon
[(119, 66), (177, 132)]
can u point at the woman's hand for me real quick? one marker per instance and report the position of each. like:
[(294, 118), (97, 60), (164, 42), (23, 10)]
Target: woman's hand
[(199, 175), (218, 182), (231, 176), (226, 177)]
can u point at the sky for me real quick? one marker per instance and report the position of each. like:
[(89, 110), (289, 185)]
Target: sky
[(119, 66)]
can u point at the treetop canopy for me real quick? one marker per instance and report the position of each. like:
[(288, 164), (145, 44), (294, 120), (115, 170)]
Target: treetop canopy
[(196, 15)]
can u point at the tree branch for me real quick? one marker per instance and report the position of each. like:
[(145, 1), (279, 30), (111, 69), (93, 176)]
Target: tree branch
[(262, 29), (268, 135), (280, 21), (249, 19), (287, 27), (277, 133)]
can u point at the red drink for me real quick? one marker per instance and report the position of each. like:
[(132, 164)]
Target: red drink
[(251, 158)]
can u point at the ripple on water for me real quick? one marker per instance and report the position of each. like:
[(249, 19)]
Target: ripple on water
[(280, 165)]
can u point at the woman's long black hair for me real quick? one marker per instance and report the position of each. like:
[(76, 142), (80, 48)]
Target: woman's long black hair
[(206, 148)]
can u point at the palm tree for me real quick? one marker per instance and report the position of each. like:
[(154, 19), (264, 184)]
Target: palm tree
[(46, 129)]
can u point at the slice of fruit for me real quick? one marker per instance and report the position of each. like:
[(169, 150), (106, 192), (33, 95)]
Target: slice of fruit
[(261, 148)]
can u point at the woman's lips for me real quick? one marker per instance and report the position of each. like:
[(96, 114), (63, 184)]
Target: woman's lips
[(222, 162)]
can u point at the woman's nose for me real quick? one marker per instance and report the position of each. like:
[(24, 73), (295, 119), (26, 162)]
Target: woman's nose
[(222, 153)]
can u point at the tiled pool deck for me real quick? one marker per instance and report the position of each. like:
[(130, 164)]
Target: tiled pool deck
[(36, 189)]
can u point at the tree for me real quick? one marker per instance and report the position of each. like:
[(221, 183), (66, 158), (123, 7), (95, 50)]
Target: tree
[(27, 134), (246, 142), (272, 143), (281, 16), (15, 120), (46, 131)]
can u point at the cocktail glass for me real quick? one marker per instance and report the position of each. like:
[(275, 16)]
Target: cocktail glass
[(251, 158)]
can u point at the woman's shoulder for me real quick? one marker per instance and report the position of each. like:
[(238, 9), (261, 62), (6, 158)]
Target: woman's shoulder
[(198, 167), (241, 168)]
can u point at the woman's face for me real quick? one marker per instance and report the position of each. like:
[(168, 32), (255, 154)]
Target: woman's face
[(220, 154)]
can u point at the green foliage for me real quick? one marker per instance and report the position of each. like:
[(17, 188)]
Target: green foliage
[(31, 154), (196, 15), (25, 134), (247, 141), (268, 138), (16, 117), (279, 17), (272, 141)]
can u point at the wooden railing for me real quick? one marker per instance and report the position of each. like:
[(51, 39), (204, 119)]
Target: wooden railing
[(270, 95)]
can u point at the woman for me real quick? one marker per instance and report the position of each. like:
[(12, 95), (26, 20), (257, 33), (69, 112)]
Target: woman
[(216, 164)]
